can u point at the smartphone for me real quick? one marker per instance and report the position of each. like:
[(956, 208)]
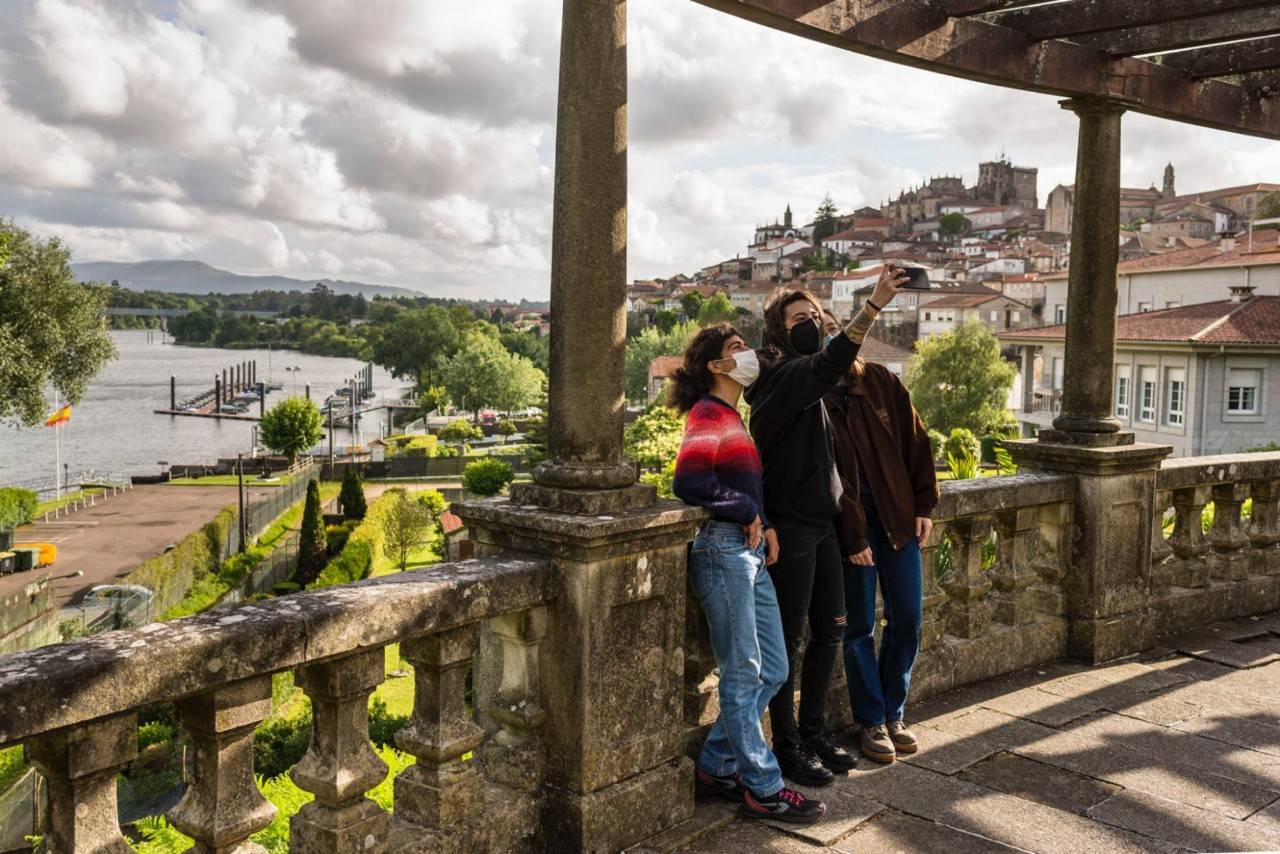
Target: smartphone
[(918, 278)]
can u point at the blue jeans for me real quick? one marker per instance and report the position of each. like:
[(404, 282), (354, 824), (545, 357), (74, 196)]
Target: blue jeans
[(878, 688), (746, 635)]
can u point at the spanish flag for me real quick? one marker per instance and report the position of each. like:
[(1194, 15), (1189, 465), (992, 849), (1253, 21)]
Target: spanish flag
[(60, 416)]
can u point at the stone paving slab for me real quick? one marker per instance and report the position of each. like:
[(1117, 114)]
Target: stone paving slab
[(1239, 655), (1267, 819), (1178, 824), (1045, 784), (896, 832), (708, 815), (845, 811), (1261, 733)]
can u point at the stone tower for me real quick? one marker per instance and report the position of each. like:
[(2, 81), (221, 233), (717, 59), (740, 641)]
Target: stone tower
[(786, 217), (1168, 191)]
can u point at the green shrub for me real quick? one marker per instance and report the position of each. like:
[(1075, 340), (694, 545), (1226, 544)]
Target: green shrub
[(351, 498), (154, 732), (284, 588), (448, 453), (960, 443), (17, 507), (1263, 449), (363, 549), (936, 441), (488, 476), (505, 427), (459, 430), (433, 500), (312, 554), (280, 742), (989, 445), (383, 725), (196, 558), (662, 479), (962, 466)]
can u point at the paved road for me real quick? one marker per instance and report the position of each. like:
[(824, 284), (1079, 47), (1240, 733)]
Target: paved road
[(111, 538)]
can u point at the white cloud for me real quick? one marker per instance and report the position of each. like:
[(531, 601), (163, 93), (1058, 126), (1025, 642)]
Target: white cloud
[(411, 143)]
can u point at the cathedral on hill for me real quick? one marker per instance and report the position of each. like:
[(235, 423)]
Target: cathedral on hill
[(1000, 184)]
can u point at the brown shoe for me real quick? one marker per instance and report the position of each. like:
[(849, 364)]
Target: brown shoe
[(876, 745), (904, 741)]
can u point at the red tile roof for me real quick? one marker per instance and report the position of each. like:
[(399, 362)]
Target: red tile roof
[(875, 350), (1266, 250), (664, 366), (963, 301), (1254, 321)]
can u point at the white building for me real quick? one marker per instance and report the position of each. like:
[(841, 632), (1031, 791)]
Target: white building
[(996, 311)]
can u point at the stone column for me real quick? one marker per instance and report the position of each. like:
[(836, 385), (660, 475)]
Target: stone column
[(589, 262), (1086, 416), (1108, 585), (223, 807), (80, 765), (612, 666), (1028, 379)]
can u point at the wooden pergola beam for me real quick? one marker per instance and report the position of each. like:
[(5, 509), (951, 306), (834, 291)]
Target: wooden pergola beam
[(919, 34), (1241, 57), (1092, 16), (1206, 29), (961, 8)]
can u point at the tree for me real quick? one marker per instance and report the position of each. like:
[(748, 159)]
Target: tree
[(716, 310), (488, 476), (416, 343), (291, 427), (320, 302), (312, 553), (953, 223), (691, 304), (17, 507), (824, 219), (432, 399), (53, 330), (649, 345), (351, 498), (406, 526), (505, 428), (665, 320), (959, 379), (535, 348), (484, 374), (459, 430), (1269, 208), (653, 439)]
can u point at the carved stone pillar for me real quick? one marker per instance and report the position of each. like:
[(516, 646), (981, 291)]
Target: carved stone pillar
[(340, 765), (79, 765), (701, 683), (222, 807), (1188, 542), (440, 787), (933, 621), (1050, 557), (1227, 560), (968, 609), (1012, 574), (1161, 550), (1264, 526), (511, 698)]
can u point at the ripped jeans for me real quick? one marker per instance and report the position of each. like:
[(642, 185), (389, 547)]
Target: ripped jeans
[(809, 579)]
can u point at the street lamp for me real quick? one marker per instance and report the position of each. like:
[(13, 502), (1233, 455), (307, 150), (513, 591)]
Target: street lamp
[(293, 372)]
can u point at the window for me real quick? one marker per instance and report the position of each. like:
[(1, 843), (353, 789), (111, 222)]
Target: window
[(1173, 303), (1147, 390), (1242, 390), (1122, 391), (1175, 396), (1057, 373), (994, 316), (1017, 317), (1059, 314), (1144, 307), (928, 315)]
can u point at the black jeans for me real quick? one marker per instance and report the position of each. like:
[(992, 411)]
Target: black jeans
[(809, 579)]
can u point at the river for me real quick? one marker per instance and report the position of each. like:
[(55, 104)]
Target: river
[(115, 429)]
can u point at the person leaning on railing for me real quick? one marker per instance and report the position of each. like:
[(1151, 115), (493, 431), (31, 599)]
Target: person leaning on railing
[(801, 496)]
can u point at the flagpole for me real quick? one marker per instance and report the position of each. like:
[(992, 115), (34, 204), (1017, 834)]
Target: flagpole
[(57, 450)]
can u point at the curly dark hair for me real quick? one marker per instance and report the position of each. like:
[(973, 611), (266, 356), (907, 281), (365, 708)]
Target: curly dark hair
[(692, 381), (776, 340)]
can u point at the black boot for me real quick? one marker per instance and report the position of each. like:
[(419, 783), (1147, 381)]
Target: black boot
[(801, 765), (835, 757)]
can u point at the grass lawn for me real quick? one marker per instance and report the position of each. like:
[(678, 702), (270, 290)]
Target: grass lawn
[(397, 690), (230, 480), (419, 557), (12, 767), (54, 503), (946, 475)]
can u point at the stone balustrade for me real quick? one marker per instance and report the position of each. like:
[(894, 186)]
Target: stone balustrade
[(1233, 568), (472, 787)]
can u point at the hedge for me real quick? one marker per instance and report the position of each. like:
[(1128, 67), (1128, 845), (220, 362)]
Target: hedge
[(363, 548), (171, 576)]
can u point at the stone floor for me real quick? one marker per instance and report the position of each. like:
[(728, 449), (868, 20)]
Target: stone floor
[(1177, 749)]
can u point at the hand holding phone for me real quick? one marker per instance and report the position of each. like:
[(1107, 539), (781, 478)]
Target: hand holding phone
[(917, 279)]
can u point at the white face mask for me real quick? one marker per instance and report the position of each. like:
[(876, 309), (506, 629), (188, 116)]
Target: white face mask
[(746, 367)]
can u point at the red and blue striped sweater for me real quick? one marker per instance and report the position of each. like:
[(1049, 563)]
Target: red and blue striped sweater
[(718, 466)]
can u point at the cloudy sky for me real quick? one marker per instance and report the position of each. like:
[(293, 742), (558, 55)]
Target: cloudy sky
[(411, 143)]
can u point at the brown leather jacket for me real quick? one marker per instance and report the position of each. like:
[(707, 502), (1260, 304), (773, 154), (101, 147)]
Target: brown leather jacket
[(875, 425)]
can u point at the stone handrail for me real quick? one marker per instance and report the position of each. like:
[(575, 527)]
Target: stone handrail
[(1196, 571), (75, 708)]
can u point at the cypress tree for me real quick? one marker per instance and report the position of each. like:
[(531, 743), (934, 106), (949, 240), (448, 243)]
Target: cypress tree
[(351, 498), (312, 553)]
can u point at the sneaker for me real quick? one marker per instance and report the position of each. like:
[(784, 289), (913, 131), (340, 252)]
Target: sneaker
[(876, 745), (783, 805), (709, 785), (904, 740), (835, 757), (803, 766)]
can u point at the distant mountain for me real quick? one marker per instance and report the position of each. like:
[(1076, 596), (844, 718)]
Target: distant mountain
[(196, 277)]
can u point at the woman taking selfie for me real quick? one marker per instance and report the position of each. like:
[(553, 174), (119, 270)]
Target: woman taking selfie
[(801, 498), (890, 490), (718, 468)]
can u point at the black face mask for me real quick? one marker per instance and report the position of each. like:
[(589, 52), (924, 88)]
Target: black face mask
[(806, 337)]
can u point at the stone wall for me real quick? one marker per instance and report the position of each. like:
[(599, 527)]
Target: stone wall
[(28, 617)]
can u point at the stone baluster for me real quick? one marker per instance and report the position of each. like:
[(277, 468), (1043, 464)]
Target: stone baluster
[(1012, 574), (1264, 526), (222, 807), (1161, 550), (701, 694), (514, 703), (79, 765), (1049, 558), (933, 623), (441, 788), (1188, 541), (968, 608), (340, 765), (1228, 560)]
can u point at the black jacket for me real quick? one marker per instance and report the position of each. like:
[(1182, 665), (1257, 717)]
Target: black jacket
[(790, 428)]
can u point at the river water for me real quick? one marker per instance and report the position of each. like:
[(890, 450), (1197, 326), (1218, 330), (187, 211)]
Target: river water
[(115, 429)]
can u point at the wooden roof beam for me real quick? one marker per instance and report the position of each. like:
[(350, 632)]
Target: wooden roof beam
[(915, 33), (961, 8), (1237, 58), (1090, 16), (1190, 32)]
